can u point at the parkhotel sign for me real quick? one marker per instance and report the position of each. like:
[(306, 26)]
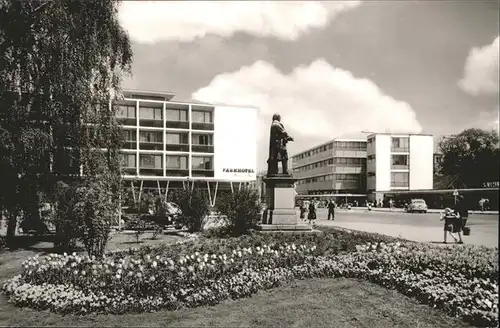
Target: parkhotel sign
[(235, 170), (236, 173)]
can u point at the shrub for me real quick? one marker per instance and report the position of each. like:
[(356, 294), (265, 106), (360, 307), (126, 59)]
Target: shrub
[(241, 210), (67, 226), (194, 206), (95, 209)]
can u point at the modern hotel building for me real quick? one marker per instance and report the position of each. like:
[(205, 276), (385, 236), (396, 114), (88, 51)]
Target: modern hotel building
[(366, 168), (168, 143)]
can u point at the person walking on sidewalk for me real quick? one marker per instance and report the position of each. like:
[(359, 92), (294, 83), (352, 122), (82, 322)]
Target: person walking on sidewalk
[(311, 216), (331, 210)]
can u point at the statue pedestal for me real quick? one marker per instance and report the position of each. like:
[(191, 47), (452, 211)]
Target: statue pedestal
[(281, 213)]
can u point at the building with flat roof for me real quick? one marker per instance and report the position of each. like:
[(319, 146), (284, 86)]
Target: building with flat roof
[(169, 143), (335, 167), (399, 162), (366, 168)]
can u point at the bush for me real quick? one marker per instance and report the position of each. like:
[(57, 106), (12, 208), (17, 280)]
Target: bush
[(67, 226), (461, 281), (241, 210), (194, 206)]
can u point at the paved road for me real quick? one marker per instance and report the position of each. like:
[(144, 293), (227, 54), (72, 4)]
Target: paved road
[(418, 227)]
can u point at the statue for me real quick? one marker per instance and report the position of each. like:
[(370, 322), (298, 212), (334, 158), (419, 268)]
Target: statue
[(277, 147)]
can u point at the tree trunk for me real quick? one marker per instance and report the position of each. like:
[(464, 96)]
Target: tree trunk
[(11, 227)]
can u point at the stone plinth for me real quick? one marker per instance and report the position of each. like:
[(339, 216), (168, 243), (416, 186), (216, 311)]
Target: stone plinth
[(280, 213)]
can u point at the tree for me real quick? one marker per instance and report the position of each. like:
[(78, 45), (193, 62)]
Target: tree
[(241, 210), (194, 206), (60, 62), (471, 158)]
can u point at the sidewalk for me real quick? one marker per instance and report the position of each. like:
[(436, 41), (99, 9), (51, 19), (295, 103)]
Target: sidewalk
[(415, 233), (400, 210)]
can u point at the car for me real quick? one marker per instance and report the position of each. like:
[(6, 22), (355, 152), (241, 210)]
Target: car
[(417, 206)]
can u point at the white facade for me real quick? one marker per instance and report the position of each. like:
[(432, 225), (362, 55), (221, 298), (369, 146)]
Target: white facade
[(235, 143), (399, 162)]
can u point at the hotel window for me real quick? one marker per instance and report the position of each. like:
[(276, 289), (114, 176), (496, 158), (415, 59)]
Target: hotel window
[(177, 115), (129, 135), (346, 177), (202, 139), (201, 163), (150, 113), (125, 111), (400, 179), (202, 116), (150, 161), (153, 137), (176, 138), (400, 144), (176, 162), (399, 162), (128, 160)]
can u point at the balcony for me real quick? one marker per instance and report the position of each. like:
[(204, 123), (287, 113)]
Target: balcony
[(176, 141), (202, 166), (177, 116), (151, 165), (150, 140), (126, 112), (202, 118), (177, 166)]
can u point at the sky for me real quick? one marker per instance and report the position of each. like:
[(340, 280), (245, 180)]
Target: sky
[(331, 69)]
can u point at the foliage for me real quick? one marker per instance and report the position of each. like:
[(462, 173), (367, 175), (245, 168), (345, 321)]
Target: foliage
[(96, 208), (194, 206), (471, 158), (461, 281), (241, 210), (67, 227), (59, 62)]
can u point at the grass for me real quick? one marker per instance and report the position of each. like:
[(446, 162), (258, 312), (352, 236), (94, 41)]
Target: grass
[(315, 303)]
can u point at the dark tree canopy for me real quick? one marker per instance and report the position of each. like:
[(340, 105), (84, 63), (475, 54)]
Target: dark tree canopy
[(59, 62), (471, 158)]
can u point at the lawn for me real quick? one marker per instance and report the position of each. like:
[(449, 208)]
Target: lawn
[(311, 303)]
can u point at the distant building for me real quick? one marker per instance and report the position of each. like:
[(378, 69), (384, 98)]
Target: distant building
[(336, 167), (399, 162), (366, 168)]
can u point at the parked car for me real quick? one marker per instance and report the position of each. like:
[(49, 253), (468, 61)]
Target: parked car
[(417, 205)]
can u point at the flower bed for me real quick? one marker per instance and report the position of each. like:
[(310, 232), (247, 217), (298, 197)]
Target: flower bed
[(461, 281)]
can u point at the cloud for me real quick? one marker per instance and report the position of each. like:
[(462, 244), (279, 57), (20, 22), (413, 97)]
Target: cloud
[(317, 102), (487, 121), (153, 21), (481, 72)]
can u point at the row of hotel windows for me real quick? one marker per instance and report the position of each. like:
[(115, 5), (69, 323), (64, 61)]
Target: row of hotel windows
[(153, 113), (349, 145), (176, 165), (328, 177), (174, 141), (344, 161), (175, 118)]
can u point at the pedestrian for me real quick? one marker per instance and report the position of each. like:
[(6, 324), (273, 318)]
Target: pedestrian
[(303, 211), (452, 224), (331, 210), (311, 216), (461, 211)]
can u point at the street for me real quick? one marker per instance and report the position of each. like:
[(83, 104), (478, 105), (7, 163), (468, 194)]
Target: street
[(417, 227)]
